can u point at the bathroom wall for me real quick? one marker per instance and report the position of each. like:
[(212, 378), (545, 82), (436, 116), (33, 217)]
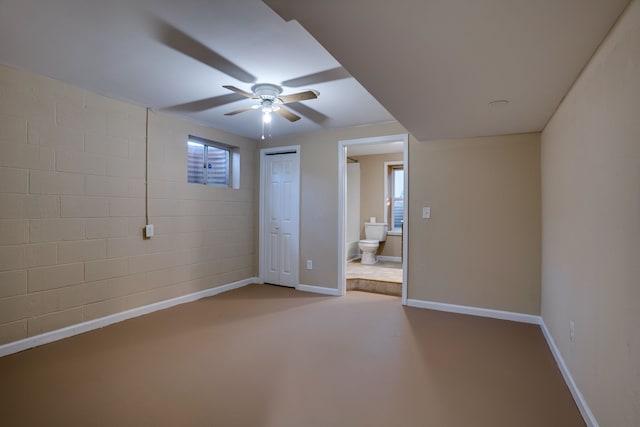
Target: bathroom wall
[(72, 208), (372, 185), (353, 210)]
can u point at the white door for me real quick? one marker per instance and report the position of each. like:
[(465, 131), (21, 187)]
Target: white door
[(281, 206)]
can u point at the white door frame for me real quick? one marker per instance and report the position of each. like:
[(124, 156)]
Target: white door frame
[(294, 149), (342, 214)]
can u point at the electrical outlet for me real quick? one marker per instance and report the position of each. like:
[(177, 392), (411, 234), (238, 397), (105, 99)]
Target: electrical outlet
[(309, 264), (426, 213), (572, 331)]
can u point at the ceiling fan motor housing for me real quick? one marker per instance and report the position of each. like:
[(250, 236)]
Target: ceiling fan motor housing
[(266, 91)]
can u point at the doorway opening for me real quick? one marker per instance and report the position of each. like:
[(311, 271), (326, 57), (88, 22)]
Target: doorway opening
[(373, 227)]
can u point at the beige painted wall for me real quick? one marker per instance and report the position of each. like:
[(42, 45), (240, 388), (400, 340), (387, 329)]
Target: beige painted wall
[(591, 226), (481, 246), (72, 208), (372, 183)]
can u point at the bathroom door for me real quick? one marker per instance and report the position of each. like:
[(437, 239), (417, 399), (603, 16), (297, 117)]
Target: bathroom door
[(281, 218)]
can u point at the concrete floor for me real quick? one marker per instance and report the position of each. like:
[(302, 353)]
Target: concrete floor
[(268, 356)]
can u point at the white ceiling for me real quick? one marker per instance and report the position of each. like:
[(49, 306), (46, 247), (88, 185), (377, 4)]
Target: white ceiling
[(155, 53), (436, 64)]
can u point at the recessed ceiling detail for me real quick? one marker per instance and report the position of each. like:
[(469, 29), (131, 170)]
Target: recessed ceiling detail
[(498, 103), (434, 64)]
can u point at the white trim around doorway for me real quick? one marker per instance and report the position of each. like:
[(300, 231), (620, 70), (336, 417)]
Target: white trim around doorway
[(342, 190)]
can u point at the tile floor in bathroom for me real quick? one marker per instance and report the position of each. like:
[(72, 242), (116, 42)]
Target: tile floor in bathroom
[(386, 271), (384, 277)]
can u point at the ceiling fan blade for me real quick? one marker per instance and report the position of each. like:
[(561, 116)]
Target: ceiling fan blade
[(287, 114), (239, 91), (314, 115), (205, 104), (241, 110), (182, 42), (337, 73), (300, 96)]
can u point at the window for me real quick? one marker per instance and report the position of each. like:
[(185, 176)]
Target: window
[(210, 163), (394, 196)]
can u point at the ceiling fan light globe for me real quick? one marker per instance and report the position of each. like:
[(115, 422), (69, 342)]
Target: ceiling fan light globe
[(267, 106)]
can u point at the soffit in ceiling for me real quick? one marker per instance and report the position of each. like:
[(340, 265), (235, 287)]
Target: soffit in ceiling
[(437, 64)]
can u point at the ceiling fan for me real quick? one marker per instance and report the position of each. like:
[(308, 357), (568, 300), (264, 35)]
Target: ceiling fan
[(270, 100), (176, 39)]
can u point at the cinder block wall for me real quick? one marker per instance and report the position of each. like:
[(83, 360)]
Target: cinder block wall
[(72, 208)]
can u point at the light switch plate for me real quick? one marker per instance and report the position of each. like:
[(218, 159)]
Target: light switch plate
[(426, 213), (148, 231)]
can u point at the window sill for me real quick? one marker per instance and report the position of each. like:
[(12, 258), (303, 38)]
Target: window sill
[(394, 233)]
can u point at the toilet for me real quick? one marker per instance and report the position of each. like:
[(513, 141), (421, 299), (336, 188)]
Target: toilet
[(375, 232)]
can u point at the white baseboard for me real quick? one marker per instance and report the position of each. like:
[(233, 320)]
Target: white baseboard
[(318, 290), (475, 311), (389, 258), (587, 415), (16, 346)]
